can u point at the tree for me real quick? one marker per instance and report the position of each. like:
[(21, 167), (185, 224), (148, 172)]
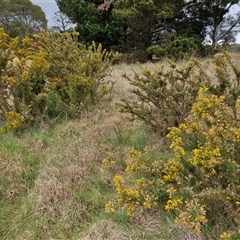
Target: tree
[(21, 17), (140, 24), (214, 16), (62, 21), (155, 22), (146, 20), (94, 23)]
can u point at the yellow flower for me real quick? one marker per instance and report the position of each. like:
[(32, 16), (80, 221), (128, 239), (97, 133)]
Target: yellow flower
[(225, 235), (172, 204), (14, 120), (109, 207)]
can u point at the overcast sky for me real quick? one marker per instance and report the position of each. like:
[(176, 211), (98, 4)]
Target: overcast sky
[(49, 7)]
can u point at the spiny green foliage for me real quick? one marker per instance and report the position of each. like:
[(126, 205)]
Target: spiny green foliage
[(76, 74), (164, 98), (175, 48), (49, 75), (199, 182), (21, 80)]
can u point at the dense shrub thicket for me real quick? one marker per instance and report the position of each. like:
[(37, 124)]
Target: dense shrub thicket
[(177, 47), (164, 98), (199, 182), (49, 75)]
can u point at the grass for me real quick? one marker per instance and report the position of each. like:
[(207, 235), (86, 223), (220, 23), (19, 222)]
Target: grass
[(52, 185)]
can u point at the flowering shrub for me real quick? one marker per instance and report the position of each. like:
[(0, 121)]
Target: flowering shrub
[(132, 191), (165, 98), (200, 181), (76, 76), (48, 75), (21, 80)]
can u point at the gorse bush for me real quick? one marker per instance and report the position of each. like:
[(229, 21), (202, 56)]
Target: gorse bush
[(76, 76), (21, 80), (164, 98), (228, 80), (49, 75), (199, 183)]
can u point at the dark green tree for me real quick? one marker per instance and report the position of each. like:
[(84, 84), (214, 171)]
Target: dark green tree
[(137, 25), (146, 20), (212, 17), (94, 21), (21, 17)]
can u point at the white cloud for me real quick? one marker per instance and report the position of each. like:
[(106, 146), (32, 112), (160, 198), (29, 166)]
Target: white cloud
[(238, 39)]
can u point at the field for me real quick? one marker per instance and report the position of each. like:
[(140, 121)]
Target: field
[(53, 185)]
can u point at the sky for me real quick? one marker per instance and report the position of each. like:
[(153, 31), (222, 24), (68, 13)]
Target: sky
[(49, 7)]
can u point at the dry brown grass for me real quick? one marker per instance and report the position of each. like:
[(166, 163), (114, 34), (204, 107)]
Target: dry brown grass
[(71, 161), (71, 188)]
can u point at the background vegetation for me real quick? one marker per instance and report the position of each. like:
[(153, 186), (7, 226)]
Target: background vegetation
[(21, 17), (73, 166), (143, 28), (94, 148)]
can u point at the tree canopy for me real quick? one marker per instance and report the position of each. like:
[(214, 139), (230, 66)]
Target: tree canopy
[(93, 23), (136, 25), (214, 16), (21, 17)]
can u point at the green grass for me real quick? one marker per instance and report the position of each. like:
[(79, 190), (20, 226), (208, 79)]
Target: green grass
[(58, 187), (52, 185)]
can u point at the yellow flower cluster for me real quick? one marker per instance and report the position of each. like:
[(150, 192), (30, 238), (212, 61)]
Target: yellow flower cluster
[(225, 236), (131, 197), (39, 64), (207, 156), (133, 194), (193, 216), (172, 203), (174, 135), (13, 120), (206, 105), (135, 162), (108, 162), (171, 170), (109, 207)]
